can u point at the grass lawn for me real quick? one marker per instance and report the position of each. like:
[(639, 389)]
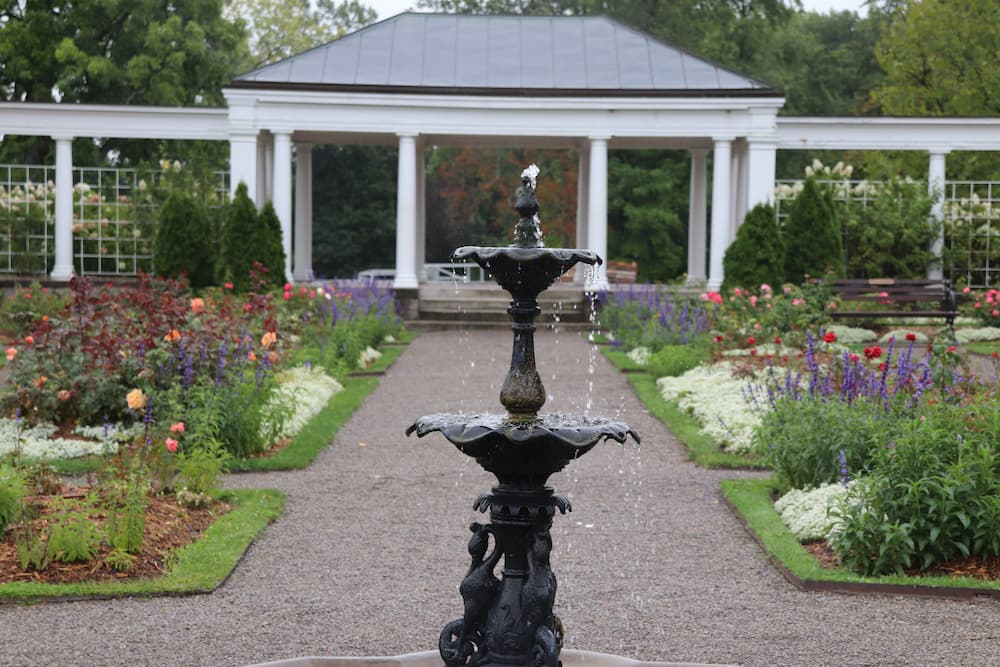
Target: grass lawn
[(200, 567), (751, 501)]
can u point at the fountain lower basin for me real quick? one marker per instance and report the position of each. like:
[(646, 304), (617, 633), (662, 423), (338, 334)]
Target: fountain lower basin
[(570, 658)]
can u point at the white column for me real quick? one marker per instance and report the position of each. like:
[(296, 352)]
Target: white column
[(243, 162), (597, 210), (63, 268), (740, 188), (421, 202), (761, 171), (721, 192), (303, 213), (935, 187), (582, 201), (734, 184), (265, 170), (283, 193), (697, 218), (406, 214)]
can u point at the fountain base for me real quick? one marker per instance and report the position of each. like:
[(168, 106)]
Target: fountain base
[(570, 658)]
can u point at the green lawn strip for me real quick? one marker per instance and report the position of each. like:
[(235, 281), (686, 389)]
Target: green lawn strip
[(404, 338), (621, 360), (200, 567), (702, 450), (751, 500), (986, 348), (382, 364), (318, 433)]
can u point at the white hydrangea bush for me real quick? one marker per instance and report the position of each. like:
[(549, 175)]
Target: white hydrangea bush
[(847, 335), (715, 398), (806, 511), (976, 335)]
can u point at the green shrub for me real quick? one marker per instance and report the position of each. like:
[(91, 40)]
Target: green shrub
[(184, 241), (238, 241), (802, 440), (757, 255), (674, 360), (13, 488), (932, 494), (270, 249), (27, 305), (813, 235)]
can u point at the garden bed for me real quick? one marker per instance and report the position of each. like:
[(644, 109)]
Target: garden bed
[(751, 502)]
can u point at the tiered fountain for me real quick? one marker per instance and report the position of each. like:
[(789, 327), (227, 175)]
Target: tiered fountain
[(510, 621)]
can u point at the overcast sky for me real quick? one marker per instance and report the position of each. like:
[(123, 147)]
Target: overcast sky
[(387, 8)]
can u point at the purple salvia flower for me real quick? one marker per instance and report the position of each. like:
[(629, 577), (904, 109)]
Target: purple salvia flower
[(845, 475)]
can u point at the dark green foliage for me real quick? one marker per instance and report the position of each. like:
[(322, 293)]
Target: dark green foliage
[(758, 254), (813, 232), (184, 241), (675, 360), (354, 210), (270, 250), (646, 197), (236, 240), (891, 236)]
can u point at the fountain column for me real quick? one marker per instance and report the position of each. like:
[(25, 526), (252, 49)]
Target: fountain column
[(720, 210), (63, 268), (597, 209), (406, 213)]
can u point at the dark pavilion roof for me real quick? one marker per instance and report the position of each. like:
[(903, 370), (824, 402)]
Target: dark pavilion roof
[(502, 55)]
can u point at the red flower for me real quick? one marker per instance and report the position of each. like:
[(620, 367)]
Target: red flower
[(854, 358), (829, 337), (951, 348), (873, 352), (777, 340), (751, 341), (995, 354), (911, 336), (753, 352), (882, 366), (717, 339)]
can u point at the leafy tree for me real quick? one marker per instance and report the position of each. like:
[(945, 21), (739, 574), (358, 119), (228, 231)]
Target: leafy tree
[(758, 253), (646, 195), (812, 231), (941, 59), (354, 213), (282, 28), (136, 52), (184, 241)]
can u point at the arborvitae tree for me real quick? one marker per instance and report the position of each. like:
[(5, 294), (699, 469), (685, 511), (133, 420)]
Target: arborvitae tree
[(813, 235), (184, 240), (758, 253), (269, 246), (238, 242)]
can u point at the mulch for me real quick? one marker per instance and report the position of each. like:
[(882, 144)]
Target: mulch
[(169, 526)]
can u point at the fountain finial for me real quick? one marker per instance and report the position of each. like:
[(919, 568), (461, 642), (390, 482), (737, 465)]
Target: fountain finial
[(528, 230)]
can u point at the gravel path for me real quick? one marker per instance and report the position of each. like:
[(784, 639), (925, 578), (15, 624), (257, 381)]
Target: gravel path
[(368, 557)]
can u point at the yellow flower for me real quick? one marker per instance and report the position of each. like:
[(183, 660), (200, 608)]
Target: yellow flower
[(136, 399)]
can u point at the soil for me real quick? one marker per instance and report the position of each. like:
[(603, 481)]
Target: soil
[(974, 567), (169, 526)]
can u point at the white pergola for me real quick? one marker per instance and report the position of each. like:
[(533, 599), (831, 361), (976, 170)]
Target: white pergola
[(402, 82)]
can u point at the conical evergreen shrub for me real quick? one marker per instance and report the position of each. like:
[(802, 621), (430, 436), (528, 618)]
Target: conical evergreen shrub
[(247, 238), (271, 250), (184, 240), (813, 236), (758, 253)]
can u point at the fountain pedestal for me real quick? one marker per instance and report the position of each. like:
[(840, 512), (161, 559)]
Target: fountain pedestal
[(509, 621)]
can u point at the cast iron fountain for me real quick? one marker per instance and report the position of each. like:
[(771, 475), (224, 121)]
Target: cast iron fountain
[(509, 621)]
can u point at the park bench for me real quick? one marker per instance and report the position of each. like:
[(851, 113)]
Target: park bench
[(888, 297)]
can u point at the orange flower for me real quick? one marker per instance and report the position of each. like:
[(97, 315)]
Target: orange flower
[(268, 339), (174, 335), (63, 394), (251, 356), (197, 304), (29, 340), (11, 353), (40, 382), (136, 399)]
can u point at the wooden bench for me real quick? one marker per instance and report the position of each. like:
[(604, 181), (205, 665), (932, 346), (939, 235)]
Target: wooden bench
[(897, 298)]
